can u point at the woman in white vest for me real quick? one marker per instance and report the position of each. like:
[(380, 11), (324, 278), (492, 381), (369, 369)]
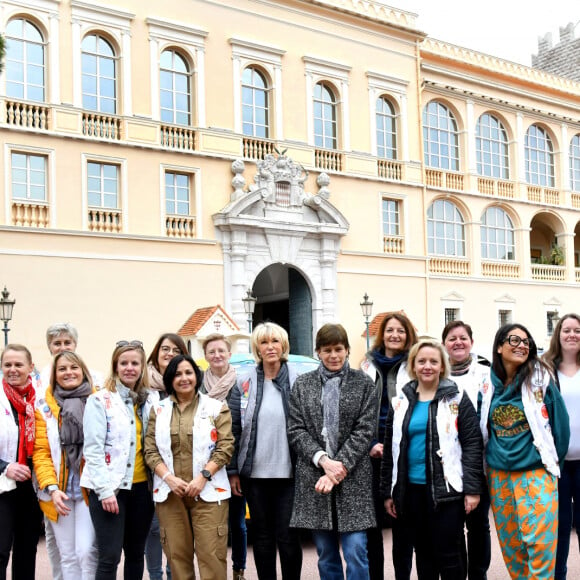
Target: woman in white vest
[(58, 461), (527, 430), (20, 516), (115, 473), (563, 357), (432, 468), (471, 374), (189, 442)]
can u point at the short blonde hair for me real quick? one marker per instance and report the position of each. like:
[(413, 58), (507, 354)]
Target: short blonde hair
[(270, 330), (428, 343)]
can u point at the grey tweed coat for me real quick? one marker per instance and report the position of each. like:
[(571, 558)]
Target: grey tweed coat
[(357, 417)]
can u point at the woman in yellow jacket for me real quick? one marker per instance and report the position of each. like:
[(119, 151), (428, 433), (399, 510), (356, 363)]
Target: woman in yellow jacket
[(58, 461)]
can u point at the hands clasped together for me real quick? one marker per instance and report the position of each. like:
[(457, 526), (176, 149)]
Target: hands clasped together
[(334, 473)]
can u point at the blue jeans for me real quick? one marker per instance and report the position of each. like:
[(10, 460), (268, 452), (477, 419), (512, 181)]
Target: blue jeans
[(237, 521), (568, 508), (354, 549), (154, 553)]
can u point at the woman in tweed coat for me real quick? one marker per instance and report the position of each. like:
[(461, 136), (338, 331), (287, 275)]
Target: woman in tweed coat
[(331, 422)]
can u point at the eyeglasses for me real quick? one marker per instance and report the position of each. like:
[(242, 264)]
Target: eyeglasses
[(134, 343), (168, 349), (515, 340)]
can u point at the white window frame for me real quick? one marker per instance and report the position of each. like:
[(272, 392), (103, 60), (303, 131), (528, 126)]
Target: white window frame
[(396, 90), (247, 53), (170, 35), (338, 75), (195, 192), (95, 19), (454, 301), (123, 187), (10, 148), (505, 303)]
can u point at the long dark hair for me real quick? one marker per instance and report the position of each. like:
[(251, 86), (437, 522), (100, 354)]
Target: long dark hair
[(526, 369), (171, 371), (175, 339)]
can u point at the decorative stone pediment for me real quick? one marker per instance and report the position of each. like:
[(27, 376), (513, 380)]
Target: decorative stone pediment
[(274, 220)]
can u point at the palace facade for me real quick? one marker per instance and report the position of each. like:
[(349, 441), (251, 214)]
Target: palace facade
[(160, 158)]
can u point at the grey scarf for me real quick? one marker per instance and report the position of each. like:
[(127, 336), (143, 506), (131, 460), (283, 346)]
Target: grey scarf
[(331, 383), (72, 407)]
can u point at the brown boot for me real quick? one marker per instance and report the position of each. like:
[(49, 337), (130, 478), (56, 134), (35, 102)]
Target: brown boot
[(239, 575)]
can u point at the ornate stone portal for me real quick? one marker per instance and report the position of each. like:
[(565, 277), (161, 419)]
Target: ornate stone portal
[(274, 221)]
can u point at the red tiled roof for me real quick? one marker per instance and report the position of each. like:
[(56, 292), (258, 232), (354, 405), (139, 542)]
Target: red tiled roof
[(195, 322)]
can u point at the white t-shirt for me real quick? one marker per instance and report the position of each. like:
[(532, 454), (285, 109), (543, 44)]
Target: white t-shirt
[(570, 389)]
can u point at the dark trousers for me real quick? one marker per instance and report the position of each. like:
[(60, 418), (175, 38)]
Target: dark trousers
[(237, 521), (568, 514), (123, 532), (20, 526), (270, 502), (436, 533), (478, 556), (402, 548)]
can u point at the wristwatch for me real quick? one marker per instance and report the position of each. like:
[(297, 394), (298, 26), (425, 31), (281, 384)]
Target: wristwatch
[(206, 474)]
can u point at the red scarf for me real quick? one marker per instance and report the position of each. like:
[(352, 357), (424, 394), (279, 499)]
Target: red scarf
[(23, 401)]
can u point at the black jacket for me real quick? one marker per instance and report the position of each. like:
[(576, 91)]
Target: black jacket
[(471, 446)]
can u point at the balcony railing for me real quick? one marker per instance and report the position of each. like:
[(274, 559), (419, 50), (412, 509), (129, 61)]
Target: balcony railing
[(444, 179), (500, 269), (30, 115), (545, 195), (105, 220), (328, 160), (496, 187), (389, 169), (30, 214), (449, 266), (179, 226), (257, 148), (174, 137), (393, 244), (101, 126), (548, 273)]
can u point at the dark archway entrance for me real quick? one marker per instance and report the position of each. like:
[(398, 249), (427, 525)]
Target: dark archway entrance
[(283, 297)]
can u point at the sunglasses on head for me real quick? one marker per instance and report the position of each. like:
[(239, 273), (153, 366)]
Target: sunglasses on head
[(135, 343)]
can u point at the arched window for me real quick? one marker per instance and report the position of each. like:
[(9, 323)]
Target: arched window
[(386, 129), (492, 147), (575, 163), (539, 157), (445, 229), (441, 140), (325, 117), (25, 61), (255, 104), (497, 235), (99, 75), (175, 90)]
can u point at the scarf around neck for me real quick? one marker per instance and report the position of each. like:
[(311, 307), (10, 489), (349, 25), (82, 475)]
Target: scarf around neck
[(331, 383), (219, 387), (23, 401), (72, 407), (155, 378), (462, 367)]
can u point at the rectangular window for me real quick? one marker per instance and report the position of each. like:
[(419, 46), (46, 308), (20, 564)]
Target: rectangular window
[(103, 185), (391, 217), (177, 193), (28, 177), (504, 317), (551, 321), (451, 314)]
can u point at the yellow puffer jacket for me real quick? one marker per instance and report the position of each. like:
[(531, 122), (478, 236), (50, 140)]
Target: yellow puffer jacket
[(42, 457)]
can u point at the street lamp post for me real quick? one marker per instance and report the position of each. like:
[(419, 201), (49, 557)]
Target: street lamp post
[(6, 307), (367, 309), (249, 305)]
